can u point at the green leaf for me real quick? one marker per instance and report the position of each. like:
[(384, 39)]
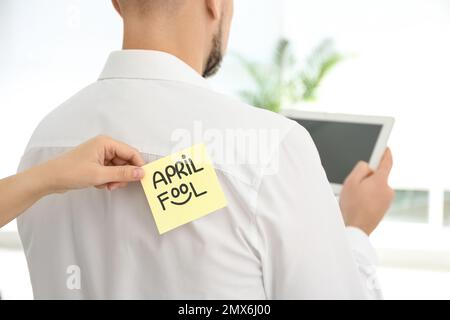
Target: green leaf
[(280, 83)]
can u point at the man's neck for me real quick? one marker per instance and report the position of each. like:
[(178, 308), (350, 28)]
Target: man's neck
[(179, 43)]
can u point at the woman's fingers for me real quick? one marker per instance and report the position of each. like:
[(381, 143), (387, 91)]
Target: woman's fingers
[(117, 149), (116, 185), (120, 165), (119, 162), (119, 174), (112, 186)]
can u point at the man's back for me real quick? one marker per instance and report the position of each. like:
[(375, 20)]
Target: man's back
[(250, 249)]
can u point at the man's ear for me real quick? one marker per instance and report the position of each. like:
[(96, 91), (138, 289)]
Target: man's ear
[(116, 5), (214, 8)]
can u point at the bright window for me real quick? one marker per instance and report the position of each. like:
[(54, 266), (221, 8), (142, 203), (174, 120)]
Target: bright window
[(409, 206), (447, 209)]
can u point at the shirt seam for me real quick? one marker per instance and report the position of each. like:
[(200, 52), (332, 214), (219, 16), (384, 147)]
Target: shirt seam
[(72, 145), (204, 86), (255, 227)]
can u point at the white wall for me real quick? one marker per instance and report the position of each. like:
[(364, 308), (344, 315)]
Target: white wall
[(256, 27), (53, 48), (399, 67)]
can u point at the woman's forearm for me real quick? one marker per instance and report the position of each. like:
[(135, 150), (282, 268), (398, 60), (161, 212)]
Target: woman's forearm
[(19, 192), (91, 164)]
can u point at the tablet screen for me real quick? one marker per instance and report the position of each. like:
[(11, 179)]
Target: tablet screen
[(342, 144)]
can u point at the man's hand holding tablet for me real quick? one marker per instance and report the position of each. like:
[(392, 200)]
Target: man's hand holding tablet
[(366, 195), (354, 154)]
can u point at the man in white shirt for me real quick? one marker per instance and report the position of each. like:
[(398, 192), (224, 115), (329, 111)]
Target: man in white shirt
[(281, 236)]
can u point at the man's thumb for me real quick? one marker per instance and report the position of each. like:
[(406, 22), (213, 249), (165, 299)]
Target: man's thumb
[(122, 174), (360, 171)]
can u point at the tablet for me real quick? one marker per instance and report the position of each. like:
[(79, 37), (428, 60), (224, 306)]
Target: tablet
[(342, 140)]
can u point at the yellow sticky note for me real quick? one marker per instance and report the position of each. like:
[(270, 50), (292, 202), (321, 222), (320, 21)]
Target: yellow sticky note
[(182, 187)]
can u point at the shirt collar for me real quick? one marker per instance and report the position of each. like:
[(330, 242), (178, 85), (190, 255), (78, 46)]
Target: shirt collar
[(150, 65)]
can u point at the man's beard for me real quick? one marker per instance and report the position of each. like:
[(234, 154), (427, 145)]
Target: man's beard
[(215, 57)]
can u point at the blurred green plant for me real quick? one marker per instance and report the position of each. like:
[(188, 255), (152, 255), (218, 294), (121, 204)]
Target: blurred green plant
[(282, 82)]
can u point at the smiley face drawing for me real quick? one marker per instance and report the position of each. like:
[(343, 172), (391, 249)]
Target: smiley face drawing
[(182, 187), (177, 192)]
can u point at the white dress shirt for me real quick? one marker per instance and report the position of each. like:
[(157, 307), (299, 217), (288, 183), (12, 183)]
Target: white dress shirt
[(281, 235)]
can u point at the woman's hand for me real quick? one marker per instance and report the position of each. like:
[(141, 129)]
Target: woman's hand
[(100, 162)]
